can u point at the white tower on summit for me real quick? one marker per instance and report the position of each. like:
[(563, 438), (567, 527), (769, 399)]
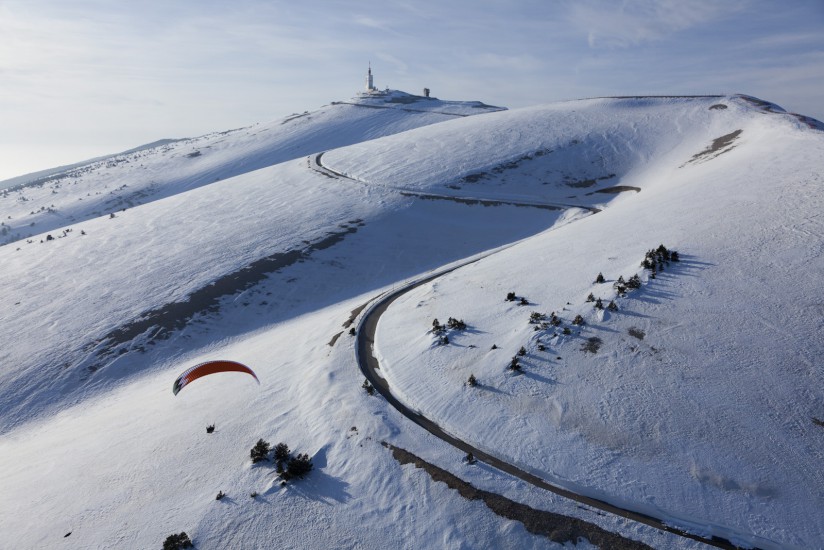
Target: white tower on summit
[(370, 86)]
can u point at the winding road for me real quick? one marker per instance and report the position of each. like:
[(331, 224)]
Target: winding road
[(369, 365)]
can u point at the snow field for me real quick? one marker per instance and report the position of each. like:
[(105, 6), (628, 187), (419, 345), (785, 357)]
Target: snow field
[(706, 418)]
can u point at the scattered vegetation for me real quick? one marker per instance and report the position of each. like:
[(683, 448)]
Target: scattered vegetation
[(177, 542), (368, 387)]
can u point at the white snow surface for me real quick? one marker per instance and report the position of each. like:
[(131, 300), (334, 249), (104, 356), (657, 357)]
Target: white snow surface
[(708, 420)]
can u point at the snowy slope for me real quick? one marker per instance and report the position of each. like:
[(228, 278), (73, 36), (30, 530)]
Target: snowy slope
[(706, 415), (270, 264), (52, 200)]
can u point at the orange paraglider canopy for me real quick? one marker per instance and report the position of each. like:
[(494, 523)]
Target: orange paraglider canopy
[(207, 368)]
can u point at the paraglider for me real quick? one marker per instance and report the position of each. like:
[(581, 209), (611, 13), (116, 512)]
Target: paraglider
[(207, 368)]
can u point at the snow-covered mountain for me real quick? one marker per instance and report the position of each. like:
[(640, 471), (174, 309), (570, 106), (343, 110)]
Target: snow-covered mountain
[(696, 401)]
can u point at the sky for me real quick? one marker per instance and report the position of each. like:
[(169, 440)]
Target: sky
[(85, 78)]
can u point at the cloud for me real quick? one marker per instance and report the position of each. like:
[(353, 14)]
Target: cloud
[(610, 24)]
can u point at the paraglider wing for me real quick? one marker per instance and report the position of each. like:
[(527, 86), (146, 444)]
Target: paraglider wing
[(207, 368)]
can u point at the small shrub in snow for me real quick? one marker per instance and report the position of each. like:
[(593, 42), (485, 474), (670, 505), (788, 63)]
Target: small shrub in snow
[(636, 333), (541, 347), (253, 494), (220, 495), (260, 451), (494, 346), (599, 304), (469, 458), (592, 345), (443, 340), (510, 296), (591, 297), (674, 256), (352, 331), (514, 365), (612, 306), (368, 387), (567, 331), (554, 320), (599, 278), (210, 428), (578, 320), (634, 282), (177, 542), (522, 351), (472, 382), (523, 302)]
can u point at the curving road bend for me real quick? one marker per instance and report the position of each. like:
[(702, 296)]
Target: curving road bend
[(370, 367)]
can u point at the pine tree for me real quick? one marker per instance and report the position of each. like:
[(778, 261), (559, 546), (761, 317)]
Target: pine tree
[(298, 466), (177, 541), (281, 451), (472, 382), (599, 278), (260, 451)]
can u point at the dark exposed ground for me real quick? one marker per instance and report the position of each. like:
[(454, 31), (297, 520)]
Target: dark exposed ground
[(719, 146), (556, 527), (161, 322), (616, 189)]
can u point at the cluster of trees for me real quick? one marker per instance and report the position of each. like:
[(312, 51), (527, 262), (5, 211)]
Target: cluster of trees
[(288, 466), (511, 297), (656, 258), (440, 330)]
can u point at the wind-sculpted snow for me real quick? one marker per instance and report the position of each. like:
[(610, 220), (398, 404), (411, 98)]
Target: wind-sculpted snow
[(99, 320)]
